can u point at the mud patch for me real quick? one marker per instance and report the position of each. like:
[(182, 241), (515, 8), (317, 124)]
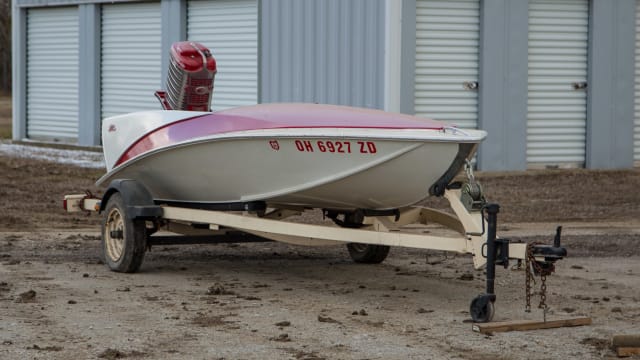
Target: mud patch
[(205, 320), (113, 354), (597, 343)]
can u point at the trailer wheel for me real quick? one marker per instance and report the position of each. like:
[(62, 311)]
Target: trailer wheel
[(368, 254), (124, 240)]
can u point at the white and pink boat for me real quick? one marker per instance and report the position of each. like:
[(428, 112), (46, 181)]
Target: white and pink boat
[(309, 155)]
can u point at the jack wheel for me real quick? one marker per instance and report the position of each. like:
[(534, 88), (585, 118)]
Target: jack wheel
[(124, 240), (482, 308)]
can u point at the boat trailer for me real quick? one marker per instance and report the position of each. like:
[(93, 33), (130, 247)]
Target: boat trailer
[(132, 219)]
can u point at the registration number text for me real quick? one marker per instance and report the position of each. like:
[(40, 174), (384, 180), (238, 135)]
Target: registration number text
[(341, 147)]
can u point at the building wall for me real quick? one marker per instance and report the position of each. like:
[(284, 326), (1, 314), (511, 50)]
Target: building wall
[(502, 102), (230, 29), (636, 137), (323, 51), (610, 115), (502, 98), (173, 17), (333, 51)]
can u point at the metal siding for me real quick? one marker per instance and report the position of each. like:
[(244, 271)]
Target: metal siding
[(447, 37), (610, 99), (636, 133), (174, 29), (19, 73), (52, 73), (130, 57), (556, 119), (230, 30), (328, 52), (502, 97), (89, 67)]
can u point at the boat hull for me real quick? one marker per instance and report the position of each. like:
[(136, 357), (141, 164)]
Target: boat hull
[(330, 159), (375, 174)]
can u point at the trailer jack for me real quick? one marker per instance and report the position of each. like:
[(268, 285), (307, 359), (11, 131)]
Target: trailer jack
[(542, 259)]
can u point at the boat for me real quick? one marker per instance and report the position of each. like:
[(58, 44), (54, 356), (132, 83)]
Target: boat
[(305, 155)]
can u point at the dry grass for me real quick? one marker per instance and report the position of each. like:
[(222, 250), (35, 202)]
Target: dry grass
[(32, 191), (560, 195), (5, 116)]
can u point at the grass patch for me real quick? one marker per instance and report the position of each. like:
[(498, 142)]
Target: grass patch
[(5, 131), (5, 116)]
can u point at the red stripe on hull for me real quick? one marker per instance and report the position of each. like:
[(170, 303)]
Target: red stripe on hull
[(273, 116)]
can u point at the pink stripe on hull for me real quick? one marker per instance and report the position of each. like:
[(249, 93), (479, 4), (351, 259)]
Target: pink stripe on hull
[(273, 116)]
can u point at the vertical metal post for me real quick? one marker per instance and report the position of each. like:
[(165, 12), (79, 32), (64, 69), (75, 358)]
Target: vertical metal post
[(492, 221)]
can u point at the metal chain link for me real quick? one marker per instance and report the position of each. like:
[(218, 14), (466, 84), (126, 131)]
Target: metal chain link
[(543, 292), (533, 266), (527, 286)]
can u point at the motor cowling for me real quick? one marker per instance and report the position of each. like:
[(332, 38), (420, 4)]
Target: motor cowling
[(190, 77)]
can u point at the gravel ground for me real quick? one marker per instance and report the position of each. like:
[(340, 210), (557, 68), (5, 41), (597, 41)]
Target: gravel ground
[(275, 301)]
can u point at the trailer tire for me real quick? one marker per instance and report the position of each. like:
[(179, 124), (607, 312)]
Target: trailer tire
[(367, 253), (124, 240)]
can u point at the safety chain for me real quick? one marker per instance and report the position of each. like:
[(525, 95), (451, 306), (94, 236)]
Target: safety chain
[(531, 267), (527, 283)]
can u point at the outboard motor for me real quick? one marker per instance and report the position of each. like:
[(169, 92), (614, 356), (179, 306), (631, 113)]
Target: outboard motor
[(190, 78)]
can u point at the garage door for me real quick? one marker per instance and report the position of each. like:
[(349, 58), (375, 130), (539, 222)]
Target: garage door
[(52, 74), (557, 99), (130, 57), (636, 136), (447, 34), (230, 30)]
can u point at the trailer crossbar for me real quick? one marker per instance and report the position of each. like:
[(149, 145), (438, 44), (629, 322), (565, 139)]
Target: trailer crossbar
[(298, 233)]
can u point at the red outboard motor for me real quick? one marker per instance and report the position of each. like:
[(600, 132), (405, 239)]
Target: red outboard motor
[(190, 78)]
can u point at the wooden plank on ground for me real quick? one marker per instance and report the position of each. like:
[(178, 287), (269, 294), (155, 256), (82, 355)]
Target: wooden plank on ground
[(628, 351), (523, 325), (625, 341), (626, 345)]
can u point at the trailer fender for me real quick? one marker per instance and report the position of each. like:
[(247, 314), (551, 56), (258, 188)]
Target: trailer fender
[(138, 200)]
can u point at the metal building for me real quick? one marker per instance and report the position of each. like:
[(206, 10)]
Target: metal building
[(552, 81)]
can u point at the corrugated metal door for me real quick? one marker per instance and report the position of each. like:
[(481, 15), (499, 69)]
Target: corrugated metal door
[(557, 116), (52, 74), (230, 30), (636, 133), (447, 34), (130, 57)]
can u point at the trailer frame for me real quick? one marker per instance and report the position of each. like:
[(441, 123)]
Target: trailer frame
[(131, 217)]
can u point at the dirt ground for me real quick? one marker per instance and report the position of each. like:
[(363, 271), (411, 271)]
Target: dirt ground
[(276, 301)]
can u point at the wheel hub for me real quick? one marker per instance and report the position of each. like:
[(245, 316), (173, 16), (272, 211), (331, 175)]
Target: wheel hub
[(114, 235)]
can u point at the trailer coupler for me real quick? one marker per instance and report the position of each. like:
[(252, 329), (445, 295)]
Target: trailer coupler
[(542, 258)]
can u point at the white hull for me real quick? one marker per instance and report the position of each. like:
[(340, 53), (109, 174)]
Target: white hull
[(248, 170), (337, 168)]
